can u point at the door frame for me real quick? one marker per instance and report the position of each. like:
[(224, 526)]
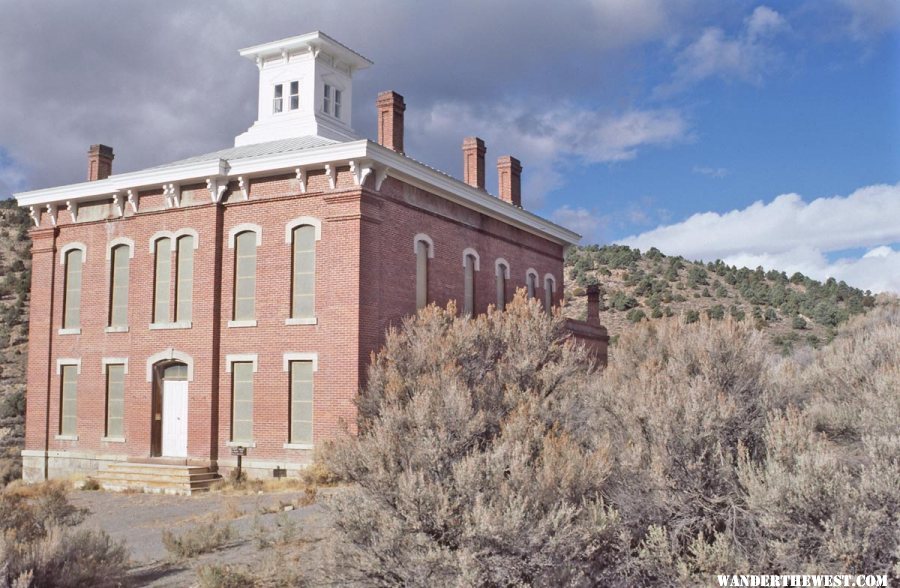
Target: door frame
[(156, 407)]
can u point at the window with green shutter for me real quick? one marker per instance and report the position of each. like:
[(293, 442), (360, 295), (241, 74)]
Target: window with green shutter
[(304, 279), (184, 285), (72, 300), (115, 400), (242, 401), (301, 402), (68, 409), (118, 300), (162, 280), (245, 276)]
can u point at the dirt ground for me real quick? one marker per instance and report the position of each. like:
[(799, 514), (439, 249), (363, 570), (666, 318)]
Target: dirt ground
[(270, 542)]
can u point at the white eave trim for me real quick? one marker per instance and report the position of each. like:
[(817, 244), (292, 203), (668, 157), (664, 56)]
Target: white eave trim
[(338, 154)]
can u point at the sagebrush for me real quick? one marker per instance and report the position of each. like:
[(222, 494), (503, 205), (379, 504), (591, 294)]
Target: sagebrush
[(490, 452)]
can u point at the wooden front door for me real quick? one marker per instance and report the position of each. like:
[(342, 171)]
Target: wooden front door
[(174, 418)]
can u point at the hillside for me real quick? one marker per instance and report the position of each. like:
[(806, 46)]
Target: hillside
[(15, 278), (636, 286)]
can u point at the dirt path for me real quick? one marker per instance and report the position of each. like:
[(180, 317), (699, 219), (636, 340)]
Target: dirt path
[(267, 537)]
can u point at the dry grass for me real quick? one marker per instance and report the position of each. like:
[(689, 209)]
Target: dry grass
[(198, 539)]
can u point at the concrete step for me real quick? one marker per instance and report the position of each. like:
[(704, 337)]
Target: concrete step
[(157, 478)]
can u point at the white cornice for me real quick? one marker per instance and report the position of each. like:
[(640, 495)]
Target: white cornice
[(365, 155)]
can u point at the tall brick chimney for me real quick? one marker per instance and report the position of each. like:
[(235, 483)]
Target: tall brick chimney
[(473, 162), (509, 177), (593, 304), (390, 120), (100, 158)]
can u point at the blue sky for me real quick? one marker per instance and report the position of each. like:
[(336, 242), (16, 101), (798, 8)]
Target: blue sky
[(677, 124)]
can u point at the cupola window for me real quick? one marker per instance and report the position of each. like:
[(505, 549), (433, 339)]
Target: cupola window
[(295, 95), (277, 101)]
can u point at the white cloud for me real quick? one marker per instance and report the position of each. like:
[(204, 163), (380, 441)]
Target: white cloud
[(745, 56), (712, 172), (871, 18), (549, 140), (792, 235)]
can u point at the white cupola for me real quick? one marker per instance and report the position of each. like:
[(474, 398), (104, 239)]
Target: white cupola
[(305, 89)]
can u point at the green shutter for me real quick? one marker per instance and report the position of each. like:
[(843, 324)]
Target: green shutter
[(115, 400), (68, 409), (304, 281), (162, 280), (184, 286), (301, 402), (72, 304), (242, 401), (245, 277), (118, 311)]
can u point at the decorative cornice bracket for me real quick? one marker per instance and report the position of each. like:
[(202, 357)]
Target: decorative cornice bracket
[(360, 171), (172, 193), (119, 203), (51, 210), (35, 213), (301, 177), (133, 200), (244, 185), (331, 172), (72, 207), (216, 187), (381, 174)]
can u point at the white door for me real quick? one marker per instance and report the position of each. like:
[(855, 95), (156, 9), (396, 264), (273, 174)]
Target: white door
[(174, 417)]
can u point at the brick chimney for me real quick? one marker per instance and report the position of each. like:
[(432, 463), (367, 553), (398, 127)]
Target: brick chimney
[(509, 176), (593, 304), (390, 120), (473, 162), (100, 158)]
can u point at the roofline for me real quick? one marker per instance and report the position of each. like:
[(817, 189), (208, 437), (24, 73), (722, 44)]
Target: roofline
[(364, 152), (312, 39)]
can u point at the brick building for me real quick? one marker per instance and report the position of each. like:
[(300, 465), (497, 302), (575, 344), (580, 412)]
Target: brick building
[(233, 299)]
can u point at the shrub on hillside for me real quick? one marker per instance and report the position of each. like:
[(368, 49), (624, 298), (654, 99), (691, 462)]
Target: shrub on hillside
[(38, 549), (489, 454)]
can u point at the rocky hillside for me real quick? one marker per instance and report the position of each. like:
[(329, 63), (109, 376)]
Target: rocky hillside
[(15, 278), (637, 286)]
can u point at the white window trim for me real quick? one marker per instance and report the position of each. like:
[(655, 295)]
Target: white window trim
[(306, 446), (105, 362), (242, 228), (119, 241), (113, 439), (232, 358), (169, 325), (71, 247), (72, 331), (549, 278), (250, 444), (299, 222), (116, 329), (170, 353), (427, 239), (174, 236), (302, 320), (532, 272), (301, 356), (60, 362), (469, 251), (242, 323), (501, 262)]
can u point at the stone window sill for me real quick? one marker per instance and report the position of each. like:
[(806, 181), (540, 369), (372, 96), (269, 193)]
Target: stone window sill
[(238, 324), (298, 446), (178, 325), (66, 437), (76, 331), (113, 439), (117, 329), (307, 320), (250, 444)]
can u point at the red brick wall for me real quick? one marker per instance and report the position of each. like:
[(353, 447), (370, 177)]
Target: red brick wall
[(360, 290)]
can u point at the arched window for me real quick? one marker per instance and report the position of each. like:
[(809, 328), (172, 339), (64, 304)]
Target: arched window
[(501, 269), (184, 279), (424, 250), (118, 285), (470, 266), (303, 285), (549, 289), (74, 260), (162, 280), (531, 278), (245, 276)]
